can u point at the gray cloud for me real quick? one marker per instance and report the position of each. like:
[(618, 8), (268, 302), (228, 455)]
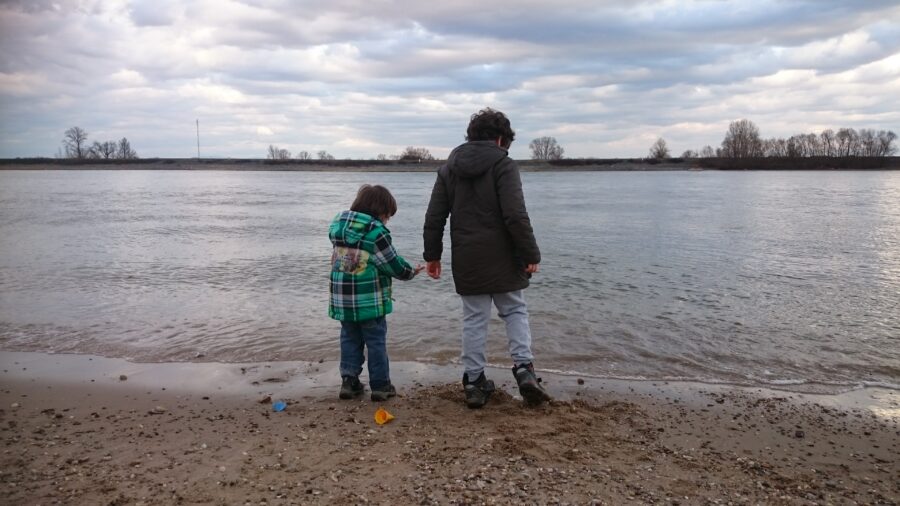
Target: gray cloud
[(154, 12), (359, 78)]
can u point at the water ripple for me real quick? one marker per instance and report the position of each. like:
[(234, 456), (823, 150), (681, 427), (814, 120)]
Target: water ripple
[(789, 279)]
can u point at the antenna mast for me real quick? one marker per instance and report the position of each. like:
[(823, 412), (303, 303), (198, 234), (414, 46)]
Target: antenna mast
[(198, 138)]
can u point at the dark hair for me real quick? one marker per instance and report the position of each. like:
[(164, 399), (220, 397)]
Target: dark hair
[(489, 125), (374, 200)]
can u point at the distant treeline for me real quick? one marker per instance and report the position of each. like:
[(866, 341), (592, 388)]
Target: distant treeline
[(574, 164), (197, 161), (742, 149), (742, 140), (248, 164), (748, 163)]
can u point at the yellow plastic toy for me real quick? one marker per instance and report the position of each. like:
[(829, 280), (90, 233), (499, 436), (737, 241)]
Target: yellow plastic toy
[(382, 416)]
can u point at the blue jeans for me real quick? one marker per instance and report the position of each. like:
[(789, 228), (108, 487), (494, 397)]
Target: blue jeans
[(371, 334), (513, 310)]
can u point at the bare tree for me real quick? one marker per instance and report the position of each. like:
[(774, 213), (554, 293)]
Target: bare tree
[(813, 146), (324, 155), (381, 156), (124, 151), (847, 141), (304, 155), (803, 145), (103, 150), (659, 150), (276, 153), (795, 146), (868, 142), (545, 148), (707, 152), (742, 140), (886, 143), (828, 142), (865, 142), (75, 143), (415, 154), (774, 147), (689, 154)]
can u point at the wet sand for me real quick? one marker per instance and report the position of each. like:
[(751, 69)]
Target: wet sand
[(88, 430)]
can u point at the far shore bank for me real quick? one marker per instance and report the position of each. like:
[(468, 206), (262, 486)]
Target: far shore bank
[(564, 165), (91, 430)]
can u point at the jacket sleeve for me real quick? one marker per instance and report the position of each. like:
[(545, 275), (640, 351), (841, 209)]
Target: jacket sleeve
[(515, 216), (388, 261), (435, 220)]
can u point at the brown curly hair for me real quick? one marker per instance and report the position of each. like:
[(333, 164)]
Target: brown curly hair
[(489, 125)]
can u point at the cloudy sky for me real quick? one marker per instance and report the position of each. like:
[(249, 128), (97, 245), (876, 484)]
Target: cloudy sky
[(363, 77)]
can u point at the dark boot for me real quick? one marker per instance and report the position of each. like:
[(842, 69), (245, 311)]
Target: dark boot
[(478, 391), (351, 387), (530, 385), (382, 394)]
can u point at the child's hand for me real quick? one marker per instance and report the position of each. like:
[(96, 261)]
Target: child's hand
[(419, 268)]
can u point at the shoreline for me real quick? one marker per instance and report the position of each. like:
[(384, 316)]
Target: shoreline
[(87, 429), (334, 166), (564, 165), (318, 376)]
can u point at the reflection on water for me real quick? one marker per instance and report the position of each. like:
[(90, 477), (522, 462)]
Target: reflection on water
[(781, 278)]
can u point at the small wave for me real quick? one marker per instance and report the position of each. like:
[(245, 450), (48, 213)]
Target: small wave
[(881, 384), (787, 382)]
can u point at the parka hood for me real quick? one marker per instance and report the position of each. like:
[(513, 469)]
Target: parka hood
[(474, 158), (349, 227)]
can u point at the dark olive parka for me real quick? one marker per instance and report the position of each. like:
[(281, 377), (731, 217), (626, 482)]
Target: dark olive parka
[(490, 233)]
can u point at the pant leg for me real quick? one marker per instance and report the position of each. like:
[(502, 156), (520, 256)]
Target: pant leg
[(352, 355), (514, 312), (476, 315), (374, 333)]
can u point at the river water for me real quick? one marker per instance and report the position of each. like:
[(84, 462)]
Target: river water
[(785, 279)]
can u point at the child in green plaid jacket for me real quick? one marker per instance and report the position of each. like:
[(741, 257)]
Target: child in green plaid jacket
[(363, 262)]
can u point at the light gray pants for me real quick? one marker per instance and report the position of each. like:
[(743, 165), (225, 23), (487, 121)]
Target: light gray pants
[(512, 310)]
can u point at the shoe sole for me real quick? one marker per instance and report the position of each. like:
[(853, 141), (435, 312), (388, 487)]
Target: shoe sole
[(479, 403), (486, 394), (533, 395), (347, 396)]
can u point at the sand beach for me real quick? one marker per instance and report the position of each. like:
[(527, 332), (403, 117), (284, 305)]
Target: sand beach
[(79, 429)]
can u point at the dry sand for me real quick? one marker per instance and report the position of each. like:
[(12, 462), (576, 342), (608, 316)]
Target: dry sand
[(86, 430)]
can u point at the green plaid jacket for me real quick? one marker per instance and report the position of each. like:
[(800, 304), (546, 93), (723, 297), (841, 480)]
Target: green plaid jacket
[(363, 262)]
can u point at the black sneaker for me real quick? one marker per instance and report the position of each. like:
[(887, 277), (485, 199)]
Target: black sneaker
[(384, 393), (351, 387), (478, 391), (529, 384)]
